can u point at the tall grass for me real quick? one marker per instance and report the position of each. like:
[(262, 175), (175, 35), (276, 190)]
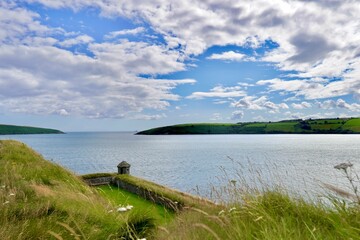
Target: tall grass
[(41, 200), (258, 211)]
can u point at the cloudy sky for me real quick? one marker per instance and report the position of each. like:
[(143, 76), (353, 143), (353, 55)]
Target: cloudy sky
[(110, 65)]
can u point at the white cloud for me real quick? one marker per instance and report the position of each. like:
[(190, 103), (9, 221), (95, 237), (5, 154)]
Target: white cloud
[(219, 101), (317, 40), (17, 23), (37, 77), (149, 117), (229, 56), (82, 39), (115, 34), (306, 31), (219, 92), (63, 112), (298, 115), (339, 104), (138, 57), (313, 88), (249, 102), (302, 105), (237, 115), (261, 103), (216, 117)]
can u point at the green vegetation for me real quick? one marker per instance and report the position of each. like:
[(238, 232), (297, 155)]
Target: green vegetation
[(12, 129), (41, 200), (310, 126), (269, 215), (97, 175), (181, 198), (119, 197)]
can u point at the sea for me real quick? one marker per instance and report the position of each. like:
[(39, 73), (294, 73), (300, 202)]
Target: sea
[(198, 164)]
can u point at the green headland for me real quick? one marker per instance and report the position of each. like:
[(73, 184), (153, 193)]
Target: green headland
[(42, 200), (298, 126), (13, 129)]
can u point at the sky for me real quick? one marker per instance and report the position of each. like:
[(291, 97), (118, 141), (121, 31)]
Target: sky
[(110, 65)]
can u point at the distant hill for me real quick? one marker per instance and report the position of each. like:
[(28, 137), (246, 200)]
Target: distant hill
[(299, 126), (12, 129)]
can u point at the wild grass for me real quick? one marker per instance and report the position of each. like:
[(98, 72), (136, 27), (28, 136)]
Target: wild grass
[(41, 200), (269, 215), (257, 211)]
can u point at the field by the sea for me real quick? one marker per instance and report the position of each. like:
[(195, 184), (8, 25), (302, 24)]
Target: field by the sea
[(296, 126), (193, 163)]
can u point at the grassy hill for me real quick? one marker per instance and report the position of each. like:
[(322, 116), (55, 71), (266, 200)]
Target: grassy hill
[(12, 129), (310, 126), (41, 200)]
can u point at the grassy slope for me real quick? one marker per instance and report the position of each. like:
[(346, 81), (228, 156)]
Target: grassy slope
[(39, 199), (255, 215), (291, 126), (270, 215), (12, 129)]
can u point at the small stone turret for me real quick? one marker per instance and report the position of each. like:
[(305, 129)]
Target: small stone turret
[(123, 168)]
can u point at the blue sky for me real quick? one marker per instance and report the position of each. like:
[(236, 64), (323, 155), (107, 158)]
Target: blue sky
[(86, 65)]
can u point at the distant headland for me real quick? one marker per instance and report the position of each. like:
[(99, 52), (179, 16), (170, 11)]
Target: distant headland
[(13, 129), (297, 126)]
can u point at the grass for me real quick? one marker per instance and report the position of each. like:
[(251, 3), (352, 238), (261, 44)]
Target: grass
[(12, 129), (97, 175), (338, 125), (278, 127), (41, 200), (119, 197), (353, 125), (271, 215), (181, 198)]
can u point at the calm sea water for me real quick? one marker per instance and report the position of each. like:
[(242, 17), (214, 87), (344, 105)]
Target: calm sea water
[(298, 162)]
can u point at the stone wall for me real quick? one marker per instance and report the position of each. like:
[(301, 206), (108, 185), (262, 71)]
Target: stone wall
[(144, 193), (148, 195), (99, 181)]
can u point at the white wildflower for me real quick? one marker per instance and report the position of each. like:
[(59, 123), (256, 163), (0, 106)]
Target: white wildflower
[(221, 212), (129, 207), (12, 194), (122, 209), (6, 202), (232, 209), (141, 239)]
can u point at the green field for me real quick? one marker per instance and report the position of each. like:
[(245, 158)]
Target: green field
[(310, 126), (12, 129)]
